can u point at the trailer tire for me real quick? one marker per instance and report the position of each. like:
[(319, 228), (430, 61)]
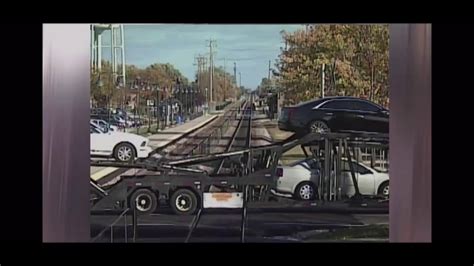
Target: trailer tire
[(144, 201), (184, 202)]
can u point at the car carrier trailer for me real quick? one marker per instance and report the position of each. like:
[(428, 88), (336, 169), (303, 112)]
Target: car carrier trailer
[(250, 175)]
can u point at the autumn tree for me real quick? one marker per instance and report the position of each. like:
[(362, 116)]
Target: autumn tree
[(265, 85), (223, 84), (355, 59), (103, 86)]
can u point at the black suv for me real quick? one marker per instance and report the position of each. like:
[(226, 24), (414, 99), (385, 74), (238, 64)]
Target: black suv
[(336, 114)]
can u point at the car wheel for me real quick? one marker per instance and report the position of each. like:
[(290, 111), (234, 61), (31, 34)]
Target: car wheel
[(384, 190), (305, 191), (183, 202), (124, 152), (144, 201), (319, 127)]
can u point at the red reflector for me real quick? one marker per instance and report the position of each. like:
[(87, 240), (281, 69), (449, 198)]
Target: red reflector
[(279, 172)]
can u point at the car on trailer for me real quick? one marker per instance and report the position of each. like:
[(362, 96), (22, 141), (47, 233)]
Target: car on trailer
[(184, 187), (300, 179), (124, 147), (335, 114)]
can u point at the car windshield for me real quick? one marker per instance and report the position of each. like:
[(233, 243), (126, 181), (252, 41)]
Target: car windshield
[(311, 162), (95, 130)]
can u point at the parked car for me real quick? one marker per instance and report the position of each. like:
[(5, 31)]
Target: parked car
[(104, 125), (136, 122), (126, 117), (129, 123), (121, 112), (103, 116), (114, 120), (100, 111), (124, 147), (300, 179), (335, 114)]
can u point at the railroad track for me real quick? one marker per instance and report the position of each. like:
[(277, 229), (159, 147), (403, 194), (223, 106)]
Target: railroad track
[(231, 142), (180, 145), (191, 144)]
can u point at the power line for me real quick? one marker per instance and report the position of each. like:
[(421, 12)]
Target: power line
[(244, 58)]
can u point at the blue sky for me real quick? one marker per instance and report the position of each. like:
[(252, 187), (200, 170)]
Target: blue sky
[(250, 46)]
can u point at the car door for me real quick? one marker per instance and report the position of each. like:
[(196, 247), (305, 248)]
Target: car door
[(373, 118), (100, 144), (365, 179), (95, 141), (364, 176), (347, 186), (338, 114)]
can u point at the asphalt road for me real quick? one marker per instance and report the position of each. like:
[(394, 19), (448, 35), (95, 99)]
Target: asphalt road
[(224, 225)]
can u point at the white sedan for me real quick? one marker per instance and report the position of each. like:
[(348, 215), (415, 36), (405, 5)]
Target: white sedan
[(301, 180), (124, 147)]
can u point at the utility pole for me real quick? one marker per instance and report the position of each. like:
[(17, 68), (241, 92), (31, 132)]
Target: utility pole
[(240, 79), (235, 73), (204, 79), (269, 74), (322, 81), (269, 69), (225, 75), (211, 69), (198, 62), (201, 81)]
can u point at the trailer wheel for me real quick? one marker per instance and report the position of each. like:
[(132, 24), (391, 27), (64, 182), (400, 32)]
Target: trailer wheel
[(144, 201), (184, 202)]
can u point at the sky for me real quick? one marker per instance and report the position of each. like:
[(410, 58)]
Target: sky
[(250, 46)]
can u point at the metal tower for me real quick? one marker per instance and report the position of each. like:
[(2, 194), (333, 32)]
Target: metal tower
[(117, 50)]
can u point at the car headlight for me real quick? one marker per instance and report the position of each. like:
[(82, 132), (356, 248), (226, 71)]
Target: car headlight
[(143, 144)]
